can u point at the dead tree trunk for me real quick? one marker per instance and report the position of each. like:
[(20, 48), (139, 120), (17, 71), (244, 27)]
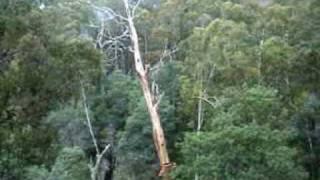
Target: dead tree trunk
[(152, 105), (95, 167)]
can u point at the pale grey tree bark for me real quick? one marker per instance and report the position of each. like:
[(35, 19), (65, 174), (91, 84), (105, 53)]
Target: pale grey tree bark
[(97, 166)]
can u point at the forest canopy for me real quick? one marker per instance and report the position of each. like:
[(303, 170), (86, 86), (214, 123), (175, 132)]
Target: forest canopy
[(138, 89)]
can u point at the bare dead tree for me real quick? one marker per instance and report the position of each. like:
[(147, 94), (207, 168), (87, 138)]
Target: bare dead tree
[(158, 134), (94, 166), (152, 98)]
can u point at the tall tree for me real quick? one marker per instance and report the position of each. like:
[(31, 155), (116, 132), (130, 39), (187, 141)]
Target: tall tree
[(151, 100)]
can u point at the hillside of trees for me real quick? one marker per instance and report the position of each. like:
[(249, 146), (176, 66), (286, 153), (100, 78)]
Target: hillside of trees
[(159, 89)]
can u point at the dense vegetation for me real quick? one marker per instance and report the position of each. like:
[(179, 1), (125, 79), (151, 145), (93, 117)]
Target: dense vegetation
[(239, 81)]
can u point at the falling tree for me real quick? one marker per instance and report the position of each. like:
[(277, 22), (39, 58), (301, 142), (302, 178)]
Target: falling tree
[(151, 102), (151, 99)]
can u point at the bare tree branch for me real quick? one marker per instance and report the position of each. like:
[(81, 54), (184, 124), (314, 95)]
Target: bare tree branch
[(168, 53), (84, 99), (112, 44), (159, 101), (135, 7), (208, 101), (93, 166), (110, 12), (99, 158)]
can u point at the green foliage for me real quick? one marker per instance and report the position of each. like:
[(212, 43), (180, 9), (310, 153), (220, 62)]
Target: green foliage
[(71, 164), (242, 141), (119, 96), (251, 65), (136, 150), (307, 136), (11, 167), (257, 104), (36, 173), (246, 152), (223, 45), (135, 146), (38, 70), (70, 124)]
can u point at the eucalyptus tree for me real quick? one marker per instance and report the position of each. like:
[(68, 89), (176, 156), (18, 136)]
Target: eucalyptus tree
[(41, 54), (152, 100)]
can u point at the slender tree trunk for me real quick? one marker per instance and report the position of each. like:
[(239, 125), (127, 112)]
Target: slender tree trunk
[(199, 123), (97, 172), (152, 105)]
